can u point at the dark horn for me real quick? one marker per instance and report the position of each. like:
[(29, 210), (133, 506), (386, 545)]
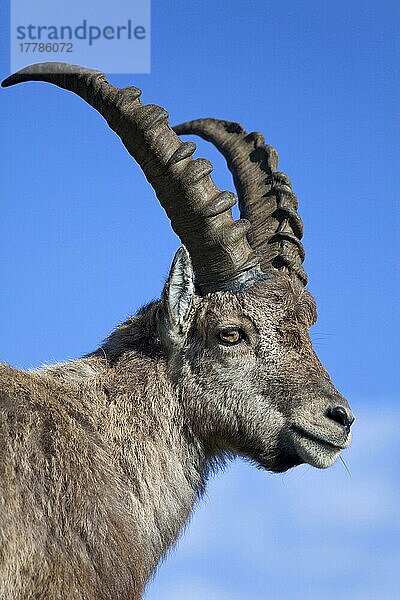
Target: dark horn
[(200, 214), (266, 197)]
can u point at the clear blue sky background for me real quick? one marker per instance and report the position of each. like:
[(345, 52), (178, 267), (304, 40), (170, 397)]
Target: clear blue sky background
[(84, 243)]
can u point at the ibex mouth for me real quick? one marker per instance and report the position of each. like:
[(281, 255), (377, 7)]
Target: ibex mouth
[(316, 449), (319, 438)]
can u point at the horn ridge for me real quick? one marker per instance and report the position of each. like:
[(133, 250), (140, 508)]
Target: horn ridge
[(265, 195), (218, 246)]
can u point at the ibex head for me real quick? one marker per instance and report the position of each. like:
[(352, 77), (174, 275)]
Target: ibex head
[(232, 324), (250, 378)]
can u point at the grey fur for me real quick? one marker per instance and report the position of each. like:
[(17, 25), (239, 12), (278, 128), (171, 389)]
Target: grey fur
[(102, 459)]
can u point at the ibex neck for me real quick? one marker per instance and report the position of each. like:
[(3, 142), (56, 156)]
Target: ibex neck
[(160, 456), (160, 461), (153, 464)]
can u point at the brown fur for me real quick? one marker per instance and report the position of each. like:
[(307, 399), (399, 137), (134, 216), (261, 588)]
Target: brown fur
[(102, 459)]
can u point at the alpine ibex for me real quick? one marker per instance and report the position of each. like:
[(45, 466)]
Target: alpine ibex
[(102, 458)]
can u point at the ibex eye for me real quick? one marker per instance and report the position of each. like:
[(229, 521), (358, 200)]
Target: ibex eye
[(231, 336)]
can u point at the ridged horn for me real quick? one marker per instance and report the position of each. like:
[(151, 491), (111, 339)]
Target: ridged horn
[(200, 214), (266, 197)]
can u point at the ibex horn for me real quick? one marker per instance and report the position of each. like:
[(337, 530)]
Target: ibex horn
[(265, 196), (200, 214)]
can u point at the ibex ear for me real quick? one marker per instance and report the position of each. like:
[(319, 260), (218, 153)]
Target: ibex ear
[(179, 290)]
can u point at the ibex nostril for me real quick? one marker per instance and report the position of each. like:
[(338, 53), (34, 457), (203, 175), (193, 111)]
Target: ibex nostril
[(339, 414)]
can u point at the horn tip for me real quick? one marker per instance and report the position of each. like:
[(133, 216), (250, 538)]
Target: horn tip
[(10, 80), (28, 72), (44, 70)]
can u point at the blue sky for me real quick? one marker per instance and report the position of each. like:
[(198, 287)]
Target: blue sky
[(83, 243)]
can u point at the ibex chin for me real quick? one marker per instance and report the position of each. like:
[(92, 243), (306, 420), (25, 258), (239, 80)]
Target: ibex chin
[(103, 458)]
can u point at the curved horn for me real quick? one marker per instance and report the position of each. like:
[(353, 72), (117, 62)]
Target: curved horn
[(265, 196), (200, 214)]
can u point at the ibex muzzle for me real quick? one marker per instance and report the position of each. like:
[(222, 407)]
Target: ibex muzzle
[(103, 458)]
